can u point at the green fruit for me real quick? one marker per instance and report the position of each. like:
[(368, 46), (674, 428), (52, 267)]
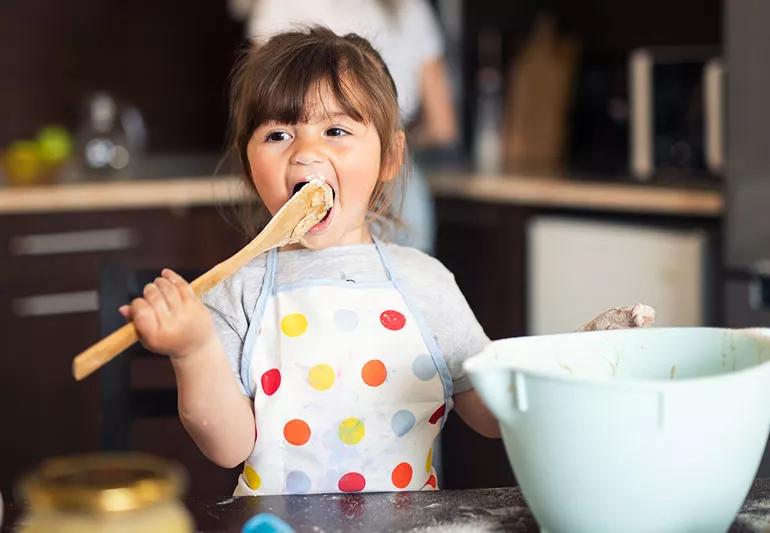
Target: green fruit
[(54, 143)]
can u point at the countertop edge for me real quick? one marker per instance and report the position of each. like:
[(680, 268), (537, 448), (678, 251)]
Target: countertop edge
[(592, 195), (550, 192), (128, 194)]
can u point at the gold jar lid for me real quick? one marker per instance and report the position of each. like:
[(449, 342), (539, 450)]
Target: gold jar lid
[(102, 482)]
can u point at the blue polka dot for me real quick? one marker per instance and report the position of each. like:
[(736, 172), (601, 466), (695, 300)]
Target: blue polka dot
[(297, 482), (402, 422), (345, 319), (423, 367)]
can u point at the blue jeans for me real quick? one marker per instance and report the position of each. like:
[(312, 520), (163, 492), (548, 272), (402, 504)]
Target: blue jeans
[(418, 214)]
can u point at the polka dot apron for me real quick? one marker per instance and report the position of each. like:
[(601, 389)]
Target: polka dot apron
[(350, 389)]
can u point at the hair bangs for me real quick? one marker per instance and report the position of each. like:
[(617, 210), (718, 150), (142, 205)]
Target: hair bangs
[(301, 80)]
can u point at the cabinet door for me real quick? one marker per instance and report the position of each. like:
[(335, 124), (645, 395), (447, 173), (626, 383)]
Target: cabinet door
[(483, 245), (49, 274)]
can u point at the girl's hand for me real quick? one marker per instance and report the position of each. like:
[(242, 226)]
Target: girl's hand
[(632, 316), (170, 319)]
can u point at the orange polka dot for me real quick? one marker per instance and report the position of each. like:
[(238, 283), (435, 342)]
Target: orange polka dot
[(401, 475), (374, 373), (432, 481), (296, 432)]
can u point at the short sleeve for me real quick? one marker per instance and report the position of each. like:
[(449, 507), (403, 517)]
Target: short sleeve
[(231, 304), (445, 309), (457, 331), (422, 30)]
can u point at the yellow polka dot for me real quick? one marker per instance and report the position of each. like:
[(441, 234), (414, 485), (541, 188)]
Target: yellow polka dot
[(252, 478), (294, 324), (429, 461), (351, 431), (321, 377)]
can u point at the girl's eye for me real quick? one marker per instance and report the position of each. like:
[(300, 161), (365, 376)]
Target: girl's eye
[(277, 136), (336, 132)]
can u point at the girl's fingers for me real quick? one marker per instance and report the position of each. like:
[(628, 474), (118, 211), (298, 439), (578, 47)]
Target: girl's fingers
[(170, 293), (144, 316), (155, 298), (185, 291), (125, 311)]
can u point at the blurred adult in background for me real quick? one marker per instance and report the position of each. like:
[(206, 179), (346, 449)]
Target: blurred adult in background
[(407, 35)]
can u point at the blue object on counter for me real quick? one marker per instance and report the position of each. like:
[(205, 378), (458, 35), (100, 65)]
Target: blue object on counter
[(266, 523)]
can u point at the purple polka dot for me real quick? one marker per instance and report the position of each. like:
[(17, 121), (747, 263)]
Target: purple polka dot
[(402, 422), (297, 482), (345, 319), (423, 367)]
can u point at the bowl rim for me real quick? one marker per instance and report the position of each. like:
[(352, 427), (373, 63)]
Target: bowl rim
[(476, 363)]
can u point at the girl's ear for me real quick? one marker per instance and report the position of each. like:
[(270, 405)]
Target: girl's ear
[(395, 157)]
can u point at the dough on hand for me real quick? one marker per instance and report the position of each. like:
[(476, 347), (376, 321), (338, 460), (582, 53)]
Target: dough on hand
[(632, 316)]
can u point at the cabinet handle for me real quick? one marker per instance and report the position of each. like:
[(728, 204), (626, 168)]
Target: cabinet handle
[(62, 303), (98, 240)]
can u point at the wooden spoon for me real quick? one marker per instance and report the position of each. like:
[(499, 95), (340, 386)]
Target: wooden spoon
[(290, 223)]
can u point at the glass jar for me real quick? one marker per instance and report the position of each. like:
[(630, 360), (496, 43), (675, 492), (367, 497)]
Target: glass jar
[(105, 492)]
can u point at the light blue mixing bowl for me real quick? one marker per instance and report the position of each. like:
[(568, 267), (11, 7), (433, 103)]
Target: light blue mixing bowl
[(633, 430)]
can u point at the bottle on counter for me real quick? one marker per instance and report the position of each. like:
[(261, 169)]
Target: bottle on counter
[(111, 137), (488, 126), (104, 493)]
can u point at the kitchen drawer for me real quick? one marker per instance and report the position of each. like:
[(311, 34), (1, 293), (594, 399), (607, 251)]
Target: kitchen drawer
[(51, 263), (36, 252)]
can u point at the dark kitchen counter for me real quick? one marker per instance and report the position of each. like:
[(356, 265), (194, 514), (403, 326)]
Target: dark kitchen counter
[(500, 509)]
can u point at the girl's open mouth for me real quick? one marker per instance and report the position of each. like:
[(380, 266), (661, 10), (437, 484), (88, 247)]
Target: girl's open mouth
[(326, 220)]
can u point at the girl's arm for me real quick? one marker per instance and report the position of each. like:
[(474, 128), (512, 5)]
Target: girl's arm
[(171, 320), (212, 407), (474, 413)]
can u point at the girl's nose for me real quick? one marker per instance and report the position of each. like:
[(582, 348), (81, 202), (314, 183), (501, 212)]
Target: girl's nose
[(307, 153)]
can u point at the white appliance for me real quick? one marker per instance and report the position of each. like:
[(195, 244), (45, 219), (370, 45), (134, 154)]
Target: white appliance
[(578, 268)]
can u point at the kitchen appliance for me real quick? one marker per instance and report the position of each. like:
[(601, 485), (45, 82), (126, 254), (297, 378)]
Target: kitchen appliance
[(634, 430), (676, 112), (580, 267)]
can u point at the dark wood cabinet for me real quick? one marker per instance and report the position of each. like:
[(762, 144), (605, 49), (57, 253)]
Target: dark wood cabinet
[(49, 272)]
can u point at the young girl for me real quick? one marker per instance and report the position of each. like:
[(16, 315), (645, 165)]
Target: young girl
[(330, 365)]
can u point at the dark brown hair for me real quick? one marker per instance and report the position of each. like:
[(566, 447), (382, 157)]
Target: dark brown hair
[(271, 81)]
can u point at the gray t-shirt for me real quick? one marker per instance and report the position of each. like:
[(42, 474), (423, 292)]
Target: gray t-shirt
[(432, 286)]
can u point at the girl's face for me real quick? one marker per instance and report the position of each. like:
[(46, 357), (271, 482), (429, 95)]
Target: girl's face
[(346, 153)]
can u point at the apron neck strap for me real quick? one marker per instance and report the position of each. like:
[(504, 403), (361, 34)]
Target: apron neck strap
[(387, 263), (271, 263)]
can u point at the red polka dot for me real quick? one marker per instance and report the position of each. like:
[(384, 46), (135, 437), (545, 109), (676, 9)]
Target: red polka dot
[(431, 481), (271, 380), (392, 320), (402, 475), (437, 414), (352, 482)]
